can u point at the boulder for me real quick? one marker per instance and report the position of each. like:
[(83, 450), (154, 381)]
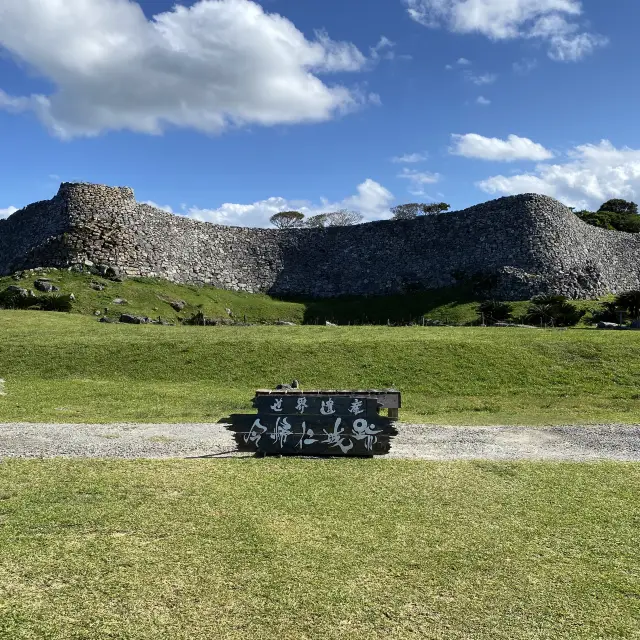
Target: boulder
[(44, 285), (127, 318), (18, 291), (106, 319), (608, 325), (178, 305), (97, 286), (110, 272), (120, 301)]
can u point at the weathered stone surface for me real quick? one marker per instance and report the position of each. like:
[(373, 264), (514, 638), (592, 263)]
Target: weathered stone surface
[(127, 318), (44, 285), (522, 246), (178, 305)]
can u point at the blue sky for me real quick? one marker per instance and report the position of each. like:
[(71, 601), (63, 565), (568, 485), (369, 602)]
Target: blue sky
[(231, 110)]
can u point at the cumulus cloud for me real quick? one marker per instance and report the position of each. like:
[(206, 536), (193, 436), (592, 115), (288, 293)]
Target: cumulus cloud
[(410, 158), (555, 22), (472, 145), (210, 66), (481, 79), (418, 179), (485, 102), (592, 174), (525, 66), (371, 199), (5, 213)]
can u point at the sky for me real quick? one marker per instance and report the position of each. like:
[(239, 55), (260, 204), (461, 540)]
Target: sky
[(232, 110)]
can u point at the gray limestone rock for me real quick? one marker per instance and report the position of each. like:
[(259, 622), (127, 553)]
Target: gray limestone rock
[(514, 248)]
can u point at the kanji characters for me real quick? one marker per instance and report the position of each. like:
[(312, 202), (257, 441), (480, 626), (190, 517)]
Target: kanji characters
[(256, 432), (302, 404), (337, 439), (326, 407), (282, 431), (356, 407), (362, 430)]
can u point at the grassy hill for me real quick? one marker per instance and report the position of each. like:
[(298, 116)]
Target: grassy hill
[(71, 368), (153, 298)]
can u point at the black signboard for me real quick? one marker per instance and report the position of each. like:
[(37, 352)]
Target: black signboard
[(315, 425)]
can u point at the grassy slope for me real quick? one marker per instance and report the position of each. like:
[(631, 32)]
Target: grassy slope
[(456, 305), (66, 368), (291, 549)]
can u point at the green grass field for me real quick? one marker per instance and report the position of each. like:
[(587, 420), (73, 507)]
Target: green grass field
[(70, 368), (306, 549)]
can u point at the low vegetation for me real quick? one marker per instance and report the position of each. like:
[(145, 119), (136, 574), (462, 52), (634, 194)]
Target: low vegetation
[(342, 549), (615, 215), (70, 368), (158, 299)]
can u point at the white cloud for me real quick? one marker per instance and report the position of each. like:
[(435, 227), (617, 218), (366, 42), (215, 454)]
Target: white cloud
[(556, 22), (472, 145), (410, 158), (593, 174), (483, 101), (210, 66), (482, 79), (418, 180), (165, 207), (371, 199), (5, 213), (461, 62), (525, 66)]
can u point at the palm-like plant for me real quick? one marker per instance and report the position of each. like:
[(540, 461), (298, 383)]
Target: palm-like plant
[(629, 301)]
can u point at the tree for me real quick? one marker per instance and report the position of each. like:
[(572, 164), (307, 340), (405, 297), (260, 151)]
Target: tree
[(611, 220), (436, 208), (494, 311), (343, 218), (629, 301), (316, 222), (406, 211), (620, 206), (415, 209), (555, 310), (287, 219)]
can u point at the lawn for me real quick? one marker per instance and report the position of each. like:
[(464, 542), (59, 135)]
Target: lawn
[(201, 549), (70, 368)]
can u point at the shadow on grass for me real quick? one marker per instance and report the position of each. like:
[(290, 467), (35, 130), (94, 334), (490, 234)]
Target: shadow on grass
[(411, 307)]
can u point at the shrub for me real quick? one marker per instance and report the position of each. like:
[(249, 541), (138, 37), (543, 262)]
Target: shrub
[(55, 302), (494, 311), (629, 301), (17, 298), (553, 310), (608, 312)]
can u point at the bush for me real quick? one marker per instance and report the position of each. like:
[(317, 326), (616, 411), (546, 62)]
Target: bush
[(608, 312), (494, 311), (556, 311), (629, 301), (55, 302), (17, 298)]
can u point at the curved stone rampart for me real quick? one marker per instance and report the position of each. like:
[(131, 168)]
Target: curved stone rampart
[(527, 244)]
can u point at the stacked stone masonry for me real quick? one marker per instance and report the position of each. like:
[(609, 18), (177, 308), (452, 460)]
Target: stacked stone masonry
[(525, 245)]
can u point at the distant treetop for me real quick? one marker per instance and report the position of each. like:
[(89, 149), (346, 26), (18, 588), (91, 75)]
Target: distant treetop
[(414, 209), (287, 219), (620, 206)]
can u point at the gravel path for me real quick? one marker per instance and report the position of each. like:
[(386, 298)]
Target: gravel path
[(415, 441)]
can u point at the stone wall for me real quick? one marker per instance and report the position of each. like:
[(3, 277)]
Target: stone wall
[(524, 244)]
